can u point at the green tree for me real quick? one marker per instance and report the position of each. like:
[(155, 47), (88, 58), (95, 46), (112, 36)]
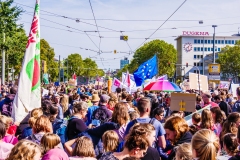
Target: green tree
[(165, 52), (47, 54), (229, 59), (75, 64), (90, 68)]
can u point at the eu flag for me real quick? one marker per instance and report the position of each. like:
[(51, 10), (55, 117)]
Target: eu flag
[(146, 71)]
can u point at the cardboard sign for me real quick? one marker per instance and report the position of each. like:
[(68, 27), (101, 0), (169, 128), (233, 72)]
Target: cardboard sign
[(72, 82), (193, 82), (183, 102), (224, 84), (233, 89)]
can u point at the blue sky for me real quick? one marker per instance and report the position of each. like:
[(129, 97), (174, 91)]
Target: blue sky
[(225, 14)]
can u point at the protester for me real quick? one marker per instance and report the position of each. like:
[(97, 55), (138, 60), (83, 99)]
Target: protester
[(113, 100), (5, 148), (231, 146), (177, 132), (184, 152), (120, 116), (76, 124), (206, 96), (144, 107), (205, 145), (207, 121), (95, 102), (50, 141), (41, 126), (34, 115), (158, 113), (110, 141), (55, 154), (218, 118), (83, 150), (26, 150), (196, 121), (223, 105), (64, 103)]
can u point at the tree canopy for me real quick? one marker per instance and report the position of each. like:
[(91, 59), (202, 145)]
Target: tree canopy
[(165, 52), (229, 60)]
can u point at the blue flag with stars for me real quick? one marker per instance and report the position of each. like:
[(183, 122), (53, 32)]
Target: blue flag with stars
[(146, 71)]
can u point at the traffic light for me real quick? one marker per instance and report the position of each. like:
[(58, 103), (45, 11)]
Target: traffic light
[(125, 38), (115, 51), (186, 64)]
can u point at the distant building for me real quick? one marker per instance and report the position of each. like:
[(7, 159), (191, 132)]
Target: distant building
[(196, 48), (123, 62)]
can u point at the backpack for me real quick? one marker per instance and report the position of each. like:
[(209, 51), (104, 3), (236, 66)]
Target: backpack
[(60, 129), (7, 109), (236, 107), (150, 122), (101, 115)]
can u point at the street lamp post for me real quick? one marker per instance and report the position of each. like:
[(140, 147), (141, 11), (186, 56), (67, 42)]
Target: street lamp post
[(214, 26)]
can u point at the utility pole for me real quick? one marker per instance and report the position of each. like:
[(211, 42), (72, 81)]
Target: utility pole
[(67, 69), (214, 26), (3, 61), (59, 78)]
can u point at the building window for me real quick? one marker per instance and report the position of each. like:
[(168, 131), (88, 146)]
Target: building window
[(194, 63), (233, 42), (216, 41), (226, 42), (195, 56), (195, 41), (219, 42), (201, 48), (198, 40), (198, 49), (209, 41), (201, 56), (205, 41), (222, 41), (201, 64), (195, 49), (209, 49), (201, 41), (229, 41), (205, 49), (219, 49), (198, 56)]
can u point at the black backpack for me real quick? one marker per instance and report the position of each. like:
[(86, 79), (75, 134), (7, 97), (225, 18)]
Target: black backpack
[(101, 115)]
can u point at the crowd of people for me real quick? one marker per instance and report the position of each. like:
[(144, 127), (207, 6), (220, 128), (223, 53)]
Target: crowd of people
[(81, 123)]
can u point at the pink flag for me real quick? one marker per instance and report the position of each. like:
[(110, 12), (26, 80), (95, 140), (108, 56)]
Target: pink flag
[(116, 82)]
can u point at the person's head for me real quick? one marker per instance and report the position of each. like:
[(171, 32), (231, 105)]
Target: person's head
[(118, 90), (124, 95), (205, 145), (206, 119), (55, 154), (13, 90), (230, 144), (217, 99), (144, 106), (184, 152), (64, 102), (196, 118), (198, 99), (150, 132), (35, 114), (175, 128), (158, 113), (206, 96), (217, 115), (133, 115), (42, 124), (6, 120), (49, 141), (231, 124), (84, 147), (112, 100), (110, 141), (46, 106), (136, 142), (120, 114), (238, 91), (167, 101), (104, 98), (26, 150), (95, 99), (2, 130), (80, 108)]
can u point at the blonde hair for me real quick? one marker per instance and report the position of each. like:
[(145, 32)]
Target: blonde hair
[(42, 124), (35, 114), (64, 102), (24, 149), (49, 141), (84, 147), (206, 144), (184, 151), (120, 114), (6, 120), (110, 141), (113, 100)]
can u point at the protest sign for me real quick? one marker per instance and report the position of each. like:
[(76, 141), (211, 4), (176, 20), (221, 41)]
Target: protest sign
[(193, 82), (183, 102)]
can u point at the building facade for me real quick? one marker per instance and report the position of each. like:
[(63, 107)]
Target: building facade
[(123, 62), (193, 48)]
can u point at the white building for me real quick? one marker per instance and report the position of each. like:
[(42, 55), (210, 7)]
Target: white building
[(192, 48)]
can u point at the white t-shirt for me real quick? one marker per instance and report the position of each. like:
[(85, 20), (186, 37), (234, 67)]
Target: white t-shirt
[(5, 149)]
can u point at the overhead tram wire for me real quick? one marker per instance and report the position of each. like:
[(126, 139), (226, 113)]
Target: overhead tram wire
[(161, 24)]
